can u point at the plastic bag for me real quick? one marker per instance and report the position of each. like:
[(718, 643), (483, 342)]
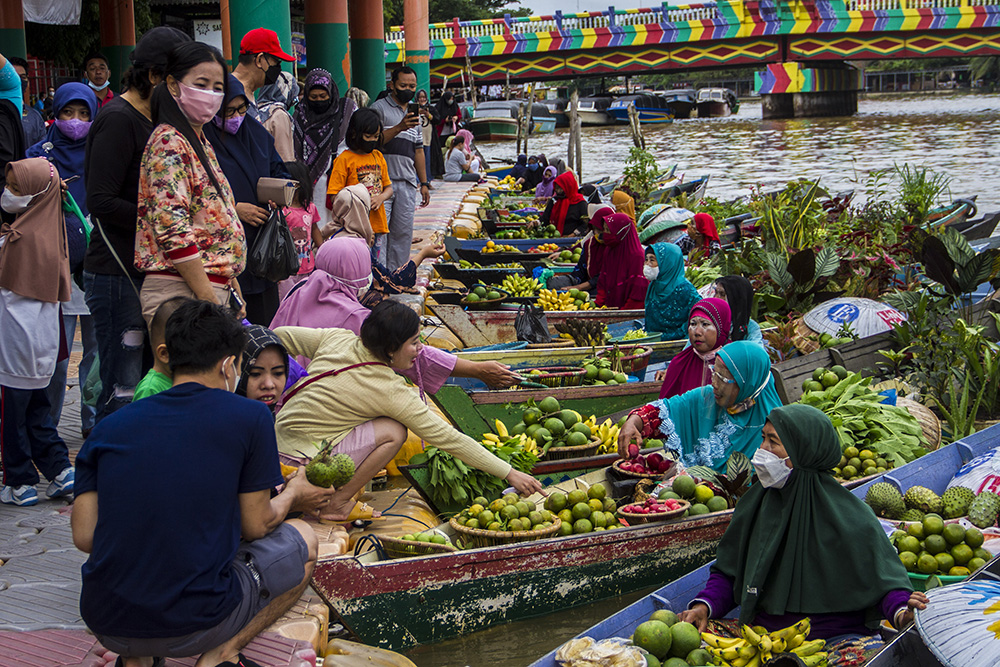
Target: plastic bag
[(530, 324), (273, 256)]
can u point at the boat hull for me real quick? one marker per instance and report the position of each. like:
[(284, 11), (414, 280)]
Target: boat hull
[(493, 129), (646, 115), (714, 110), (543, 125), (590, 117), (397, 604)]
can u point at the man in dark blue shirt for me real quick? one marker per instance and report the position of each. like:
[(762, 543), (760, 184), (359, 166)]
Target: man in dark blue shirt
[(166, 488)]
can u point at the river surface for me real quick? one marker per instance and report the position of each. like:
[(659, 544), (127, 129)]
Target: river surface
[(957, 134)]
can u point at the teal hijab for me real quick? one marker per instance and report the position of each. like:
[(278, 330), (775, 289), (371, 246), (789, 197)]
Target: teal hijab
[(810, 547), (706, 434), (670, 297)]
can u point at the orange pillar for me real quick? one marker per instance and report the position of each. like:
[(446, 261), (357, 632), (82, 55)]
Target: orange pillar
[(117, 36), (418, 41), (12, 29), (328, 40), (367, 46)]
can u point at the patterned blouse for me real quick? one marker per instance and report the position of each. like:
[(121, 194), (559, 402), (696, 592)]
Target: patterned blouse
[(181, 215)]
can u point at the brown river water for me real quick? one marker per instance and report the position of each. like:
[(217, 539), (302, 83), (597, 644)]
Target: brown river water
[(955, 133), (958, 134)]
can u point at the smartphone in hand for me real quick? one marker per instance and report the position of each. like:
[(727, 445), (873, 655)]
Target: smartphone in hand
[(412, 109)]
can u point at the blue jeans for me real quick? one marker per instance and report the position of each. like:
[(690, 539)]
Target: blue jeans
[(56, 390), (28, 438), (427, 163), (121, 337)]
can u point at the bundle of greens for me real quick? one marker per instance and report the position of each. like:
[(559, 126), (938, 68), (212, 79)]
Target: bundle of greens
[(453, 482), (864, 422)]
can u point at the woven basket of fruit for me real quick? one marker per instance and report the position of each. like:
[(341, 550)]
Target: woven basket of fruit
[(482, 298), (556, 453), (556, 376), (650, 466), (633, 360), (396, 547), (929, 423), (479, 537), (653, 510), (804, 338)]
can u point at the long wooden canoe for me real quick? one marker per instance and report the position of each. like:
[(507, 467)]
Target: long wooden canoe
[(933, 471), (396, 604), (566, 356)]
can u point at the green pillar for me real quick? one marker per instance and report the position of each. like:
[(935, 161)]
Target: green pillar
[(245, 15), (12, 42), (328, 40), (417, 31), (367, 46), (117, 38)]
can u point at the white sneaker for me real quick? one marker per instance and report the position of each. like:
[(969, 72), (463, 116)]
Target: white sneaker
[(62, 485), (21, 495)]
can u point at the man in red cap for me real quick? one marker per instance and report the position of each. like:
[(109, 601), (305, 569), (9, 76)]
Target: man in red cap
[(259, 63)]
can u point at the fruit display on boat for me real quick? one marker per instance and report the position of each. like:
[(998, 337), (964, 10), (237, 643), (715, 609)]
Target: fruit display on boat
[(507, 184), (650, 506), (482, 293), (648, 464), (585, 333), (756, 646), (492, 247), (932, 546), (570, 255), (635, 334), (670, 641), (574, 299), (510, 513), (855, 464), (546, 248), (520, 285), (548, 425), (583, 511), (701, 496), (432, 536)]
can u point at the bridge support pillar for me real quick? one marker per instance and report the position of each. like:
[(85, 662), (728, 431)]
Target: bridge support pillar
[(327, 39), (789, 90), (367, 46), (246, 15), (117, 37), (12, 42), (418, 55)]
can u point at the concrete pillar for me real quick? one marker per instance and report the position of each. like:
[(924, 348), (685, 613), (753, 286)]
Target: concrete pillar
[(328, 41), (117, 37), (245, 15), (418, 40), (778, 105), (367, 45), (12, 29)]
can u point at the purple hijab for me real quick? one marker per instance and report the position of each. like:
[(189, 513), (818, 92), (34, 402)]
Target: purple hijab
[(544, 189), (690, 369)]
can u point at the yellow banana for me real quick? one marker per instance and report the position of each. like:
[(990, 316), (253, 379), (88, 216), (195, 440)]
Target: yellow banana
[(739, 662), (501, 429), (795, 641), (730, 654), (760, 629), (814, 660), (750, 635), (491, 437), (754, 661), (803, 627), (765, 656), (747, 651), (778, 645), (714, 641), (809, 648)]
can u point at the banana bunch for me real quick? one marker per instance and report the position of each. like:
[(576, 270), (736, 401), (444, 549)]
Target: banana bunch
[(550, 299), (607, 432), (757, 646), (503, 437), (518, 284)]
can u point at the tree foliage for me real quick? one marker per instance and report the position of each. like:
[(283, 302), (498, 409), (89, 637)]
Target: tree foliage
[(68, 45), (441, 11)]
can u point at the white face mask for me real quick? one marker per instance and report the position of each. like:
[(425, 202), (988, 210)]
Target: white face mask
[(650, 272), (362, 290), (225, 375), (13, 203), (771, 470)]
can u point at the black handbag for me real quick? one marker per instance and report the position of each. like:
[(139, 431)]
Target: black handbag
[(273, 256)]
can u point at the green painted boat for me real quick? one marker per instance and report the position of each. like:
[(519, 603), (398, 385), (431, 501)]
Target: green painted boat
[(396, 604), (493, 129)]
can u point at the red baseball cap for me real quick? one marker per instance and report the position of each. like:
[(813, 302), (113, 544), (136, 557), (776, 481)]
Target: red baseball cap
[(262, 40)]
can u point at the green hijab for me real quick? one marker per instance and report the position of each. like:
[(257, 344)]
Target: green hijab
[(670, 297), (811, 547)]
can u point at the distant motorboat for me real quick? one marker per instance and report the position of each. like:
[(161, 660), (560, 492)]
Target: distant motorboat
[(557, 107), (717, 102), (594, 110), (651, 108), (682, 101), (497, 120)]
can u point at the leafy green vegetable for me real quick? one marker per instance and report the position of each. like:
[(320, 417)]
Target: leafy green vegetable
[(453, 482)]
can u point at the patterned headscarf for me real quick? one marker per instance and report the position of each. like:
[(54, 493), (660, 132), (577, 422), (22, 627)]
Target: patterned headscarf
[(317, 134), (282, 94)]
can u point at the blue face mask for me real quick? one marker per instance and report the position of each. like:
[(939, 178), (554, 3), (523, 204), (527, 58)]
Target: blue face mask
[(533, 167)]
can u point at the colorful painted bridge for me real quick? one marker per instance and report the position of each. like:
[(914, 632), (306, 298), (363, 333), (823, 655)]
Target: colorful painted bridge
[(728, 33)]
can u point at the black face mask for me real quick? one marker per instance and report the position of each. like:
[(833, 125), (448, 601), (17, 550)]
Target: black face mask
[(403, 95), (368, 146), (271, 74), (318, 106)]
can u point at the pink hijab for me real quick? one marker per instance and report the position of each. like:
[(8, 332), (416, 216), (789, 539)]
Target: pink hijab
[(691, 369), (329, 297), (465, 134)]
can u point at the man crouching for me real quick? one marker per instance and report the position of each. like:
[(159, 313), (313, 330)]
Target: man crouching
[(165, 489)]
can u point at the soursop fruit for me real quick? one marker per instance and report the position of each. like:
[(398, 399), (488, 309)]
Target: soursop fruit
[(329, 470), (923, 499), (885, 500), (984, 509), (955, 501), (912, 515)]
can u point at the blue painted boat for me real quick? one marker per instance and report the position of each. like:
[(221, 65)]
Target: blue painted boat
[(651, 108), (933, 470), (681, 101)]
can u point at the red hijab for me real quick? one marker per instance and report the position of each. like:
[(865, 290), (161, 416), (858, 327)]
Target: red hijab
[(691, 369), (705, 224), (566, 181), (621, 258)]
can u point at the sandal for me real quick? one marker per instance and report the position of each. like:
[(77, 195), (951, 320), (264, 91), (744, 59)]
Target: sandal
[(363, 511)]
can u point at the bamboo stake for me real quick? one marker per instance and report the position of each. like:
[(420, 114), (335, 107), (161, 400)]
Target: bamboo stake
[(472, 81), (506, 92), (574, 105), (579, 148), (635, 127), (530, 116)]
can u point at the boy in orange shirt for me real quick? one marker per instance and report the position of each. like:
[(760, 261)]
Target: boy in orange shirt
[(362, 163)]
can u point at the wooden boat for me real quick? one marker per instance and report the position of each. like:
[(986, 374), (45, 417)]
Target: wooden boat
[(594, 111), (525, 244), (557, 108), (980, 228), (680, 101), (956, 212), (717, 102), (652, 109), (933, 471), (497, 121), (396, 604), (565, 356), (694, 189), (489, 327)]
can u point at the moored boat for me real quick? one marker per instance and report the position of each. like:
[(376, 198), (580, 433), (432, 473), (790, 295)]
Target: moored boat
[(594, 111), (717, 102), (957, 211), (680, 101), (497, 120), (557, 108), (651, 108)]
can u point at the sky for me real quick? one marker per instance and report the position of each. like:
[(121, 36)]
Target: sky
[(545, 7)]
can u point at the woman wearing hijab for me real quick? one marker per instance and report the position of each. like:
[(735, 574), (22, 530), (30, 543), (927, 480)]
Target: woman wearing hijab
[(274, 106), (547, 185), (670, 296), (568, 208), (34, 279), (784, 556), (65, 145), (709, 324), (702, 235), (519, 169), (707, 425), (623, 203), (428, 128), (476, 161), (449, 114), (246, 153), (620, 279), (317, 130), (738, 293), (265, 367)]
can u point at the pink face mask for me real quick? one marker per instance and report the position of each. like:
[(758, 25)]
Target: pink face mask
[(199, 106)]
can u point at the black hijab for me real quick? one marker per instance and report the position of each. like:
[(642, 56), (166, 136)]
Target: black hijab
[(739, 296), (317, 133), (258, 339), (447, 106)]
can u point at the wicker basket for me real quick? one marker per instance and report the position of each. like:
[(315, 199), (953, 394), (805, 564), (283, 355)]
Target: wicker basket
[(633, 363), (557, 376), (485, 304), (559, 453), (487, 538), (628, 473), (399, 548), (929, 422), (634, 519), (802, 338)]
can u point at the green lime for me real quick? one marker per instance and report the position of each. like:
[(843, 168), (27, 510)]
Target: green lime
[(549, 405), (818, 374), (480, 291), (555, 426), (532, 416)]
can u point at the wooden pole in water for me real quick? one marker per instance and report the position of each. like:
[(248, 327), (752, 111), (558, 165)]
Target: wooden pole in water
[(530, 116), (574, 129), (506, 89), (520, 127), (472, 81), (579, 148), (635, 127)]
